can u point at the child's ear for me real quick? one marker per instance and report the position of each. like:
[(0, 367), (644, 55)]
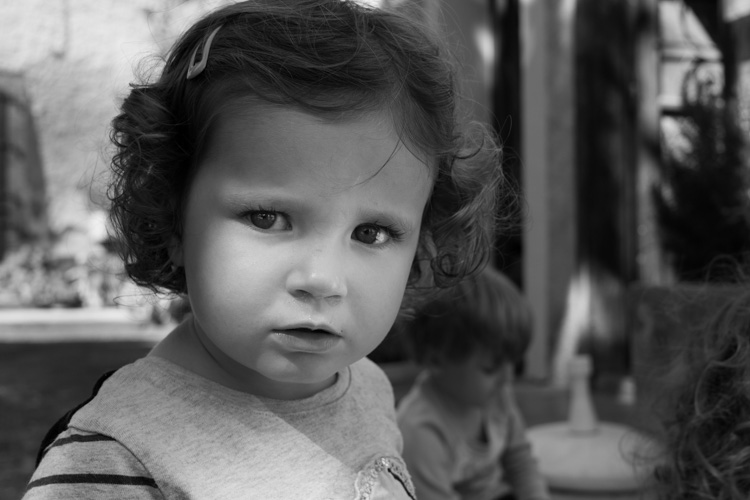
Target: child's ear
[(175, 252)]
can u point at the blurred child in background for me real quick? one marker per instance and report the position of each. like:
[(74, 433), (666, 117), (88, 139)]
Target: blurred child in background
[(464, 437)]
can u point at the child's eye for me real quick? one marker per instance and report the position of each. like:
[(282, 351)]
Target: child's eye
[(374, 234), (268, 220)]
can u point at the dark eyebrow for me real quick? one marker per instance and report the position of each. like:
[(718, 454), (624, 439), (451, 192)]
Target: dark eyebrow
[(241, 200)]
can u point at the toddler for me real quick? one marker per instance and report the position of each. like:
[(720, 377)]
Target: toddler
[(295, 171), (464, 437)]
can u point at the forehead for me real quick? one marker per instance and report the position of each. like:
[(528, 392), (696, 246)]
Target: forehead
[(260, 129), (219, 104), (265, 146)]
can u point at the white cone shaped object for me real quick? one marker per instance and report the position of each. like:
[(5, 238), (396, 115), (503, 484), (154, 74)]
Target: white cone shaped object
[(583, 454)]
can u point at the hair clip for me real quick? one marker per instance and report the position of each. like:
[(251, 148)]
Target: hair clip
[(195, 69)]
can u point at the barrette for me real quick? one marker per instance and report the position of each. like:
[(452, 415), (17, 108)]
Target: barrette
[(195, 69)]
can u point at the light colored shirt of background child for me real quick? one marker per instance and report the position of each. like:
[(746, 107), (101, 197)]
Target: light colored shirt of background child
[(444, 465)]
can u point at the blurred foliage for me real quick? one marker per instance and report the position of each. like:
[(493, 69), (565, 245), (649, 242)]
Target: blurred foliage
[(35, 276), (702, 201), (32, 276)]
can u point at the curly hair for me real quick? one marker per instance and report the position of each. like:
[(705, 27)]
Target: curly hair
[(707, 431), (486, 312), (330, 58)]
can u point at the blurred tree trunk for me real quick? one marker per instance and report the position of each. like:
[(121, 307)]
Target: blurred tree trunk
[(23, 192), (548, 164), (650, 262)]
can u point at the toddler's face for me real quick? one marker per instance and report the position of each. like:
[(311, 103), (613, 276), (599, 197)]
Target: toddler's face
[(298, 240), (473, 382)]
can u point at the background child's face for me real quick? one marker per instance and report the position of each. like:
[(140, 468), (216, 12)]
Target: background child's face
[(473, 381), (292, 225)]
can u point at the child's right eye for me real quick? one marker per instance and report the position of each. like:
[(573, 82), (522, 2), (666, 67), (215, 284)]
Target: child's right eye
[(268, 220)]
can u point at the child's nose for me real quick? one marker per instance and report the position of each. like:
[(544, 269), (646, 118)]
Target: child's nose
[(320, 275)]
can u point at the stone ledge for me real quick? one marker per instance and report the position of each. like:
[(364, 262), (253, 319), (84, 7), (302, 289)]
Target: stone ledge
[(77, 325)]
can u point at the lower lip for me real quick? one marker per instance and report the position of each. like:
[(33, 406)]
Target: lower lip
[(307, 341)]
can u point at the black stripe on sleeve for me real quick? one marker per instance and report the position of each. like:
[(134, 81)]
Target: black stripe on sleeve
[(93, 479), (80, 438)]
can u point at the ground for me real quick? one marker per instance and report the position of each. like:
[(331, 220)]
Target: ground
[(39, 382)]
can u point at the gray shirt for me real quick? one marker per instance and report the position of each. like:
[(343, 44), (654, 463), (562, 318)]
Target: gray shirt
[(183, 436)]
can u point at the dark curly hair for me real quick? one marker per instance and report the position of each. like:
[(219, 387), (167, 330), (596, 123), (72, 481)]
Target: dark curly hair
[(330, 58), (707, 427)]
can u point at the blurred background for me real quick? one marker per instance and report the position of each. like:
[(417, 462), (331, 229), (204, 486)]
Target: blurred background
[(625, 125)]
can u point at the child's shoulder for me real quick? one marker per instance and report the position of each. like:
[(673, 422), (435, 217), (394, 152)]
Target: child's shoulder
[(369, 374), (147, 383)]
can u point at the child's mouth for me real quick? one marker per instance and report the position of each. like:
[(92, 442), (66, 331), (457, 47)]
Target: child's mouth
[(307, 339)]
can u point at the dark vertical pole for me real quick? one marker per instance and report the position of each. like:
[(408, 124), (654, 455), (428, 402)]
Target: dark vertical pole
[(605, 91), (506, 97), (606, 164)]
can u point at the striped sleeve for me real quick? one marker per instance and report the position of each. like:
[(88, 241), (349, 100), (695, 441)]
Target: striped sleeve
[(84, 465)]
